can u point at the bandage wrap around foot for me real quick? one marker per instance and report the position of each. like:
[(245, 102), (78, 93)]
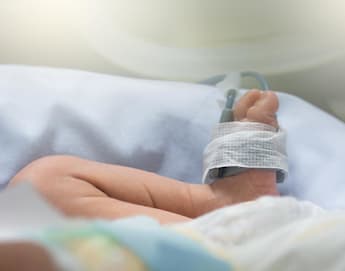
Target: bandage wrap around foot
[(238, 146)]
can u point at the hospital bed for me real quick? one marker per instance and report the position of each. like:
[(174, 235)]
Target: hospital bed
[(158, 126), (46, 111)]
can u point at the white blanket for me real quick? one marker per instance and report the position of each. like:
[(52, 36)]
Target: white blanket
[(270, 233), (154, 125), (273, 234)]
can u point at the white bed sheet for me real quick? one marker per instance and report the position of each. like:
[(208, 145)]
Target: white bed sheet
[(153, 125)]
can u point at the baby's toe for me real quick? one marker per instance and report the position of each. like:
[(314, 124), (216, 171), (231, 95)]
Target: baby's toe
[(244, 103), (264, 110)]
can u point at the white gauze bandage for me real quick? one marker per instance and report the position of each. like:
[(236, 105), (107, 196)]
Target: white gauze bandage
[(244, 145)]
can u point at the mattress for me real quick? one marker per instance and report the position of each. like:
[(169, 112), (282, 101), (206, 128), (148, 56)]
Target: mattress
[(159, 126)]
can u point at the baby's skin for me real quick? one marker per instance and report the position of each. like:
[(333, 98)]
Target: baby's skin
[(89, 189)]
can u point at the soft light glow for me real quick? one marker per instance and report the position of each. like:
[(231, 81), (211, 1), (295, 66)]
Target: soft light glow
[(181, 39), (198, 38)]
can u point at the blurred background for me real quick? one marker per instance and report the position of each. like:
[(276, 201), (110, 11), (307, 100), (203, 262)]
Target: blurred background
[(298, 44)]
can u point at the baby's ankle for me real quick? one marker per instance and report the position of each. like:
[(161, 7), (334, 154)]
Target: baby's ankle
[(204, 200), (246, 186)]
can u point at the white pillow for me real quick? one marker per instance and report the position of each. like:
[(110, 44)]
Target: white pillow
[(153, 125)]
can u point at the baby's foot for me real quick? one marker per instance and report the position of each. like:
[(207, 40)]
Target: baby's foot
[(257, 106), (254, 106)]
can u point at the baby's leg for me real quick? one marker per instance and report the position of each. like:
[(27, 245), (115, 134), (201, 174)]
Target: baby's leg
[(90, 189), (83, 188)]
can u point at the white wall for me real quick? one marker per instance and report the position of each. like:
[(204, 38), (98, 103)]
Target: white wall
[(323, 85), (42, 32)]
